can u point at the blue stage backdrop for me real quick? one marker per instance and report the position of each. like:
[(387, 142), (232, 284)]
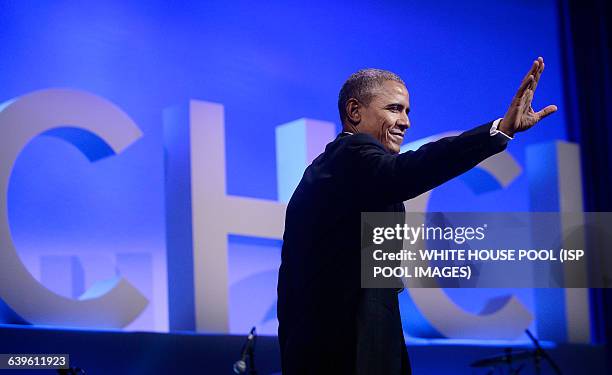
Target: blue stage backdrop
[(268, 64)]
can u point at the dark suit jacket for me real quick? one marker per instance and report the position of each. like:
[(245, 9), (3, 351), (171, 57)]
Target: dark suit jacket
[(327, 323)]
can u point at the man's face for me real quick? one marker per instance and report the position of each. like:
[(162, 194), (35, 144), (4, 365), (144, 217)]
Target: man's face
[(386, 117)]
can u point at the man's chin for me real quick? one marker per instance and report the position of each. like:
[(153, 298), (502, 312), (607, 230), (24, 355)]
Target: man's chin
[(393, 148)]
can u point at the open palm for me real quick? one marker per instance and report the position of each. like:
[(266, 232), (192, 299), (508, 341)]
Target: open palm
[(520, 115)]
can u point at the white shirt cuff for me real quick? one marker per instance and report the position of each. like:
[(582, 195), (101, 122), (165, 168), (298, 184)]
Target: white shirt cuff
[(494, 130)]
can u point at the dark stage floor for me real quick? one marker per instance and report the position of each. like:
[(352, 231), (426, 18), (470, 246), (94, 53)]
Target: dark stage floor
[(117, 352)]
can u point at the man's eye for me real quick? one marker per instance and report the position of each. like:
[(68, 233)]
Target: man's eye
[(395, 108)]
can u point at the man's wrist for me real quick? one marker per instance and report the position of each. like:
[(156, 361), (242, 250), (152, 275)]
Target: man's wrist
[(497, 128), (505, 130)]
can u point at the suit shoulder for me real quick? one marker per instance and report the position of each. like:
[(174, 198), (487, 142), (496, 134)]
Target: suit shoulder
[(361, 141)]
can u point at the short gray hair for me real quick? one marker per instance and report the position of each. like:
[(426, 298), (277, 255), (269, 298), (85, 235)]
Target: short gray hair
[(361, 85)]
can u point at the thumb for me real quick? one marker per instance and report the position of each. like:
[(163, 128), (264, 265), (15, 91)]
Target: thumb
[(546, 111)]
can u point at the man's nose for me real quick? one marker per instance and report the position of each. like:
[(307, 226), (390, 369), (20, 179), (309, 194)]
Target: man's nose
[(404, 121)]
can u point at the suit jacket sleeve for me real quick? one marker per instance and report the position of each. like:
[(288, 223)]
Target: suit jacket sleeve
[(386, 178)]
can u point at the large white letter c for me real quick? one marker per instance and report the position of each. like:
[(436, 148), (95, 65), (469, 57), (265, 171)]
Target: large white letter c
[(98, 129)]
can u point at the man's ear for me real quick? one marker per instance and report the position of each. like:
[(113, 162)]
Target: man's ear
[(353, 111)]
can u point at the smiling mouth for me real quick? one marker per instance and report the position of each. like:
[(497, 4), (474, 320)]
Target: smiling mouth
[(397, 134)]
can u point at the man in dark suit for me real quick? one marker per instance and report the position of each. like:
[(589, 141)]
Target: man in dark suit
[(328, 324)]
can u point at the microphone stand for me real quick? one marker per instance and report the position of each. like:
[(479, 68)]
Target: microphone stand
[(251, 354), (540, 353), (248, 355)]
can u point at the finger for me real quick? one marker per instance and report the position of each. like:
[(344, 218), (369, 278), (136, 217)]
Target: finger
[(538, 73), (546, 111), (524, 86), (533, 69)]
